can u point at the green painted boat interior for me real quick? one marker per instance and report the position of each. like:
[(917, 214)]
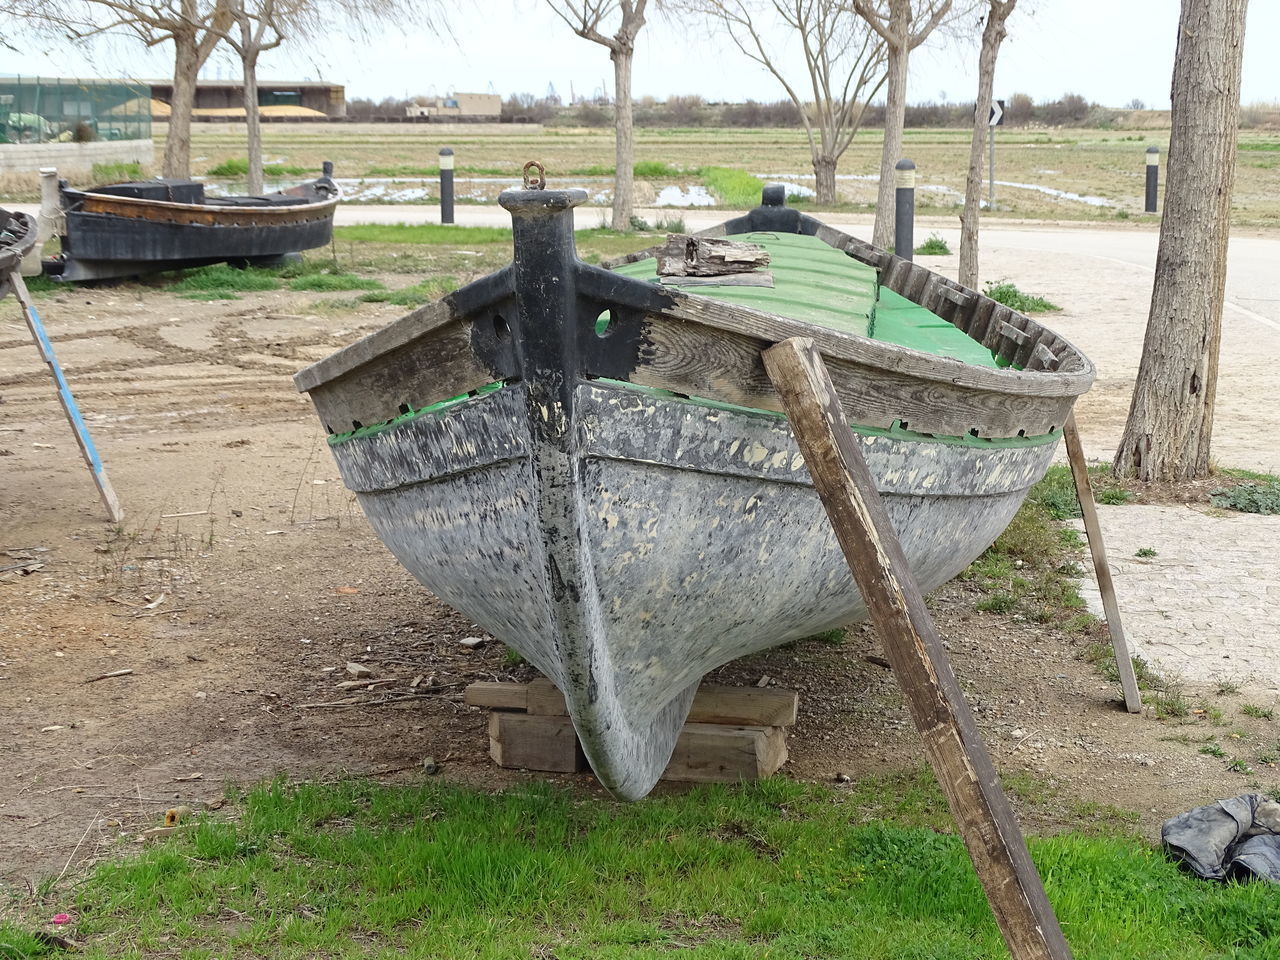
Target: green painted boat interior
[(818, 284)]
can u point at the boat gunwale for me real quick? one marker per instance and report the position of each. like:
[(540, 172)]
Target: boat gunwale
[(293, 211), (734, 318), (12, 254)]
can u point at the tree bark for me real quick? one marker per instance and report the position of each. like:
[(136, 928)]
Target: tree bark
[(624, 137), (824, 172), (253, 125), (186, 66), (993, 35), (1170, 424), (895, 109)]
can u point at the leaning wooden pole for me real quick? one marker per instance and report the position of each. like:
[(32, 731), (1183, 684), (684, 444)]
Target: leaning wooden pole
[(920, 665), (85, 442), (1093, 530)]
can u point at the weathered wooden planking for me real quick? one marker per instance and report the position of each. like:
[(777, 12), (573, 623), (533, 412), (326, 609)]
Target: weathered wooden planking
[(527, 742), (1098, 551), (716, 753), (697, 360), (704, 752), (686, 256), (920, 664), (497, 696), (745, 706)]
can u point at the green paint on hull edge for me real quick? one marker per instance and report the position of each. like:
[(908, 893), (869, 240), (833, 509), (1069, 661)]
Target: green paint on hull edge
[(894, 432)]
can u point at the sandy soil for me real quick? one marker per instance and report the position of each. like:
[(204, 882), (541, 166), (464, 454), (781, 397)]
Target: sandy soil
[(237, 620)]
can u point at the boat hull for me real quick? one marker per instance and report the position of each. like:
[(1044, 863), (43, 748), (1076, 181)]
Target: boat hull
[(703, 541), (595, 468), (129, 232)]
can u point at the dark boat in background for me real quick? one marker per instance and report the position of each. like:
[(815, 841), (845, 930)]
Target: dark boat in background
[(17, 237), (127, 229)]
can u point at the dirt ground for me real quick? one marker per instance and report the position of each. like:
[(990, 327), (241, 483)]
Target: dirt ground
[(244, 579)]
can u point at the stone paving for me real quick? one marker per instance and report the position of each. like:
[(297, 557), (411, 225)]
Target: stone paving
[(1206, 606)]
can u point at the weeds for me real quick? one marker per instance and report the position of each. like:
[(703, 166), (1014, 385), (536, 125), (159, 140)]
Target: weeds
[(935, 246), (1257, 712), (415, 296), (1007, 293), (239, 167), (223, 282), (734, 188), (333, 282), (1145, 552), (1262, 497), (116, 172)]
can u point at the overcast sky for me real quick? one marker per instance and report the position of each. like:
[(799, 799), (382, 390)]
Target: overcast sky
[(1109, 51)]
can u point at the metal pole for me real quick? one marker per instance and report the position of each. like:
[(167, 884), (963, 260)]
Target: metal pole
[(991, 168), (1153, 177), (446, 185), (904, 202)]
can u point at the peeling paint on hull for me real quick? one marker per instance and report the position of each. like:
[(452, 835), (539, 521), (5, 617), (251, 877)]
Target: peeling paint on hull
[(702, 540)]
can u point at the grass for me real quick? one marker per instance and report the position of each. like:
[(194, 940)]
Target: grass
[(935, 246), (425, 233), (332, 282), (414, 296), (1145, 552), (116, 172), (223, 282), (1257, 712), (733, 188), (775, 869), (1013, 298), (239, 167)]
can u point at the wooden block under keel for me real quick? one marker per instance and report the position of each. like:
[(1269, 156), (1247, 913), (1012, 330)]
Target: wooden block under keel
[(530, 742)]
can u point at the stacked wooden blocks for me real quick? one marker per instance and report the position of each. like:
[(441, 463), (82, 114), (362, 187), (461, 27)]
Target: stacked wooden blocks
[(733, 733)]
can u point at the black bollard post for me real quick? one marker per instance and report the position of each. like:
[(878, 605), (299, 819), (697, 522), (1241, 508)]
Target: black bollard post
[(904, 201), (446, 185), (1153, 177)]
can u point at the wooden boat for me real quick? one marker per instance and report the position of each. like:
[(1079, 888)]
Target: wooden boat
[(17, 238), (127, 229), (591, 464)]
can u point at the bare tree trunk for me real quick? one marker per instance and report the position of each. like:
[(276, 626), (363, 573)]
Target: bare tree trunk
[(993, 35), (253, 124), (186, 66), (624, 138), (824, 172), (895, 109), (1170, 420)]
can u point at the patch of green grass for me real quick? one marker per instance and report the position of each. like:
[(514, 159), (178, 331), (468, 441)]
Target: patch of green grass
[(1262, 497), (333, 282), (733, 188), (116, 172), (421, 233), (832, 637), (776, 868), (1145, 552), (1239, 765), (1169, 703), (414, 296), (1013, 298), (239, 167), (1105, 819), (935, 246), (1226, 687), (43, 286), (1057, 491), (1257, 712), (222, 282), (1214, 750), (511, 657)]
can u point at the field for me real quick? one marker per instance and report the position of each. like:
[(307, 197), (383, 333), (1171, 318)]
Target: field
[(1102, 172), (245, 577)]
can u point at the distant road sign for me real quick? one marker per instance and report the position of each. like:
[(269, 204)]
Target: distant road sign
[(997, 114)]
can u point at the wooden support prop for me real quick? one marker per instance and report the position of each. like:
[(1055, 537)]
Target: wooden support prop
[(744, 706), (87, 449), (960, 761), (1093, 530)]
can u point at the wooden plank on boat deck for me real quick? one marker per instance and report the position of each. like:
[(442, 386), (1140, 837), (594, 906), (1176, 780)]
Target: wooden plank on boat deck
[(746, 706), (529, 742), (716, 753), (920, 665)]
